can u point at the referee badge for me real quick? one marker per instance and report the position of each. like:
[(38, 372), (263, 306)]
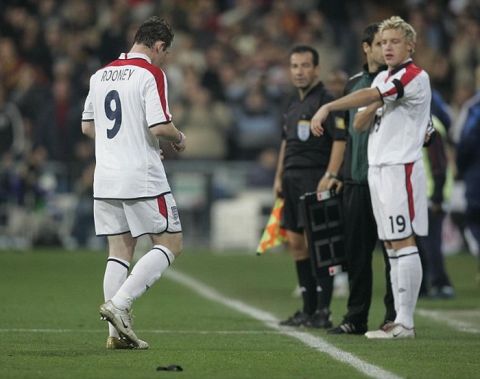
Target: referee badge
[(303, 130)]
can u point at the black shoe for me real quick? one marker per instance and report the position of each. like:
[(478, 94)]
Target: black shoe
[(298, 319), (319, 320), (348, 328), (442, 292)]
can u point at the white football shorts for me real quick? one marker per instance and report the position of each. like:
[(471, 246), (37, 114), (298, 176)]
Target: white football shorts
[(138, 216), (399, 200)]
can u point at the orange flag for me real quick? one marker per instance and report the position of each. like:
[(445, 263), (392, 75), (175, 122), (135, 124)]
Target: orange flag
[(273, 235)]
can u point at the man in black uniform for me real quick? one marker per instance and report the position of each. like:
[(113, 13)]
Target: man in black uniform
[(360, 226), (304, 162)]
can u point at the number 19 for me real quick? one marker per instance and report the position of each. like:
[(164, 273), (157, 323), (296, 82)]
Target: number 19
[(399, 222)]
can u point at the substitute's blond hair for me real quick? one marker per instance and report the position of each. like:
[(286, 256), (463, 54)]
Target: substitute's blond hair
[(396, 22)]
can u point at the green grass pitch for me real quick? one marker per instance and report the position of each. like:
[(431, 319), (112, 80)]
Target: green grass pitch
[(50, 326)]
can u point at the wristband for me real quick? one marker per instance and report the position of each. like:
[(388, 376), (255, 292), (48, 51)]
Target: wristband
[(330, 175)]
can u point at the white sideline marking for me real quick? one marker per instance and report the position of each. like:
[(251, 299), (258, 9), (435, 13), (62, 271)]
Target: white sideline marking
[(461, 326), (271, 321), (154, 331)]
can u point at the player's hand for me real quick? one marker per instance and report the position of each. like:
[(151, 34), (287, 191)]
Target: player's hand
[(162, 155), (336, 184), (429, 135), (181, 145), (317, 120), (323, 184)]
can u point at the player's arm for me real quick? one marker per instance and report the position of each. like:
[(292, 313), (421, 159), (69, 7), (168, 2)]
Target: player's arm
[(277, 184), (88, 124), (88, 128), (331, 179), (364, 118), (357, 99), (168, 132)]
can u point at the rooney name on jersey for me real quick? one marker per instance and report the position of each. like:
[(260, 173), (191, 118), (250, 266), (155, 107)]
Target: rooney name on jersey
[(117, 74)]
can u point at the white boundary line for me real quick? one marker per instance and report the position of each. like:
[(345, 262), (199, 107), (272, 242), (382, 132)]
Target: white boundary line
[(272, 322), (439, 316), (153, 331)]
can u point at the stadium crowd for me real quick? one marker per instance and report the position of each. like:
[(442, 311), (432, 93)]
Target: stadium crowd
[(227, 76)]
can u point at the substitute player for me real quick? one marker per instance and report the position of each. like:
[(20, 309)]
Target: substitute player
[(360, 226), (397, 114), (127, 111)]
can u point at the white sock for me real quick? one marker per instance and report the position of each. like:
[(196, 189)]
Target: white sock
[(392, 258), (409, 281), (146, 271), (115, 274)]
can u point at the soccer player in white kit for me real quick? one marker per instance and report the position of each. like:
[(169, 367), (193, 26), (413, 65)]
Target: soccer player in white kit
[(397, 113), (126, 112)]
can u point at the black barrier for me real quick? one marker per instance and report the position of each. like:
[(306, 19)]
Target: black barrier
[(323, 214)]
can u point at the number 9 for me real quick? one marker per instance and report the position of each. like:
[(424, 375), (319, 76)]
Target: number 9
[(113, 114)]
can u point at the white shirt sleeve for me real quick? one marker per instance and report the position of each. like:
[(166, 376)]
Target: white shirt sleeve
[(156, 101), (390, 90), (88, 114)]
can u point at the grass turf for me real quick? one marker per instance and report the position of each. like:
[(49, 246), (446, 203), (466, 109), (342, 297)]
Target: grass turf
[(50, 326)]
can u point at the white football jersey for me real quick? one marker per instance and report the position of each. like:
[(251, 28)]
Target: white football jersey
[(398, 133), (126, 98)]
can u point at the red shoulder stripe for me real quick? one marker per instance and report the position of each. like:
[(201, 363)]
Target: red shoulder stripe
[(155, 71), (411, 71)]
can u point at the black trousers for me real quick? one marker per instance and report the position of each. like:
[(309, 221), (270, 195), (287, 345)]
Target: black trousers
[(360, 241), (430, 247)]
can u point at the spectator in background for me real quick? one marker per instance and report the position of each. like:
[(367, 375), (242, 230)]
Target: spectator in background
[(83, 230), (81, 175), (33, 45), (317, 32), (207, 122), (12, 133), (468, 162), (255, 124), (441, 110), (11, 64), (439, 181), (113, 39), (60, 131), (214, 58), (335, 83), (465, 49), (8, 181), (262, 175), (33, 97)]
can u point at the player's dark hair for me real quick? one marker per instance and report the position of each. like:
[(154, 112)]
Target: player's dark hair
[(152, 30), (369, 33), (306, 49)]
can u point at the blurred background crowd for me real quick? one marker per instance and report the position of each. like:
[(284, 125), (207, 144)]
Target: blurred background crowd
[(228, 77)]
